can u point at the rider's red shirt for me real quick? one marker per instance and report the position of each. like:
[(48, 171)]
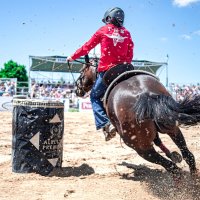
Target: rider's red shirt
[(116, 46)]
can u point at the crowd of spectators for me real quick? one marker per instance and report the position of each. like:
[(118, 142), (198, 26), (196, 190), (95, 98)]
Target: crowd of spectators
[(179, 92), (53, 91), (7, 88)]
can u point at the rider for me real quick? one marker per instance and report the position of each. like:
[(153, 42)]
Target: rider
[(116, 48)]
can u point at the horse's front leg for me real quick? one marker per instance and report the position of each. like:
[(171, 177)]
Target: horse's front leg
[(179, 140)]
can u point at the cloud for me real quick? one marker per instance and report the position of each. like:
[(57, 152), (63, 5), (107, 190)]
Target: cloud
[(186, 37), (184, 3), (190, 36), (197, 32)]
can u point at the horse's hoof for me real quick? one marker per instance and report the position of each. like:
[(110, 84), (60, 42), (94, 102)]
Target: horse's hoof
[(195, 175), (176, 157)]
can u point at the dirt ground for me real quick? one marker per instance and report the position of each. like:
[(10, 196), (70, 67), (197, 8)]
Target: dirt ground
[(95, 169)]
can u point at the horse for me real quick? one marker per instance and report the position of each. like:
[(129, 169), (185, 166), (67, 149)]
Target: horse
[(141, 108)]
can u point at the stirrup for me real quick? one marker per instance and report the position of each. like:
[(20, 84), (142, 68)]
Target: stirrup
[(109, 132)]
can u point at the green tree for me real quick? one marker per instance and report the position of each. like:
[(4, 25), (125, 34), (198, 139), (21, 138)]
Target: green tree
[(13, 70)]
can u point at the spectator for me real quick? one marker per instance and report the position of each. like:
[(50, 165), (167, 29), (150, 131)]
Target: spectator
[(180, 91)]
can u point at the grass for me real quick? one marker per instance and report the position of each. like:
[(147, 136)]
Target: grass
[(73, 110)]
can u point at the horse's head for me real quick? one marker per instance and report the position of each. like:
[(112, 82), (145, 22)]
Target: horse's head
[(86, 79)]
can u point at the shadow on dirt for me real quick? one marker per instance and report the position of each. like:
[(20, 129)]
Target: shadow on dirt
[(82, 170), (160, 183)]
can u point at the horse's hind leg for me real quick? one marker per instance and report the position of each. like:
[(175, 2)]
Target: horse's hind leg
[(157, 141), (174, 156), (179, 140), (152, 156)]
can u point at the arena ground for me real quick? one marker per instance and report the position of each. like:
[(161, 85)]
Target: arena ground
[(95, 169)]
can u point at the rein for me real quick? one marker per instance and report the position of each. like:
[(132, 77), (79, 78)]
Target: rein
[(84, 63), (68, 63)]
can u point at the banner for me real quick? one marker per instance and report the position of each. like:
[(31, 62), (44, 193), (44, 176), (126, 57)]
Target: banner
[(85, 105)]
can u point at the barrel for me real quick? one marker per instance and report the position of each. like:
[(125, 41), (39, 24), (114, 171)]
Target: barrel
[(37, 135)]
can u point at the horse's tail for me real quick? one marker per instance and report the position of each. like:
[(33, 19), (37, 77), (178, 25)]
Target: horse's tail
[(165, 110)]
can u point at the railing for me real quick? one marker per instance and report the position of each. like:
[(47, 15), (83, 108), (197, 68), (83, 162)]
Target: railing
[(22, 88)]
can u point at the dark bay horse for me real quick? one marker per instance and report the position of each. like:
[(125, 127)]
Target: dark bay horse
[(140, 107)]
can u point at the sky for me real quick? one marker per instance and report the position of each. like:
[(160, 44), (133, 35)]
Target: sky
[(162, 31)]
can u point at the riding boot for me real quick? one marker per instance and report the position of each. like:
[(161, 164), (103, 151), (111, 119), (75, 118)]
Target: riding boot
[(109, 131)]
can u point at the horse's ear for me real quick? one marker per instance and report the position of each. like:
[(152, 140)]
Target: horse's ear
[(87, 63), (87, 59)]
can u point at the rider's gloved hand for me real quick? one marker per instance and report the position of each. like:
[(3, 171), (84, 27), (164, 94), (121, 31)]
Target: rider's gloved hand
[(69, 58)]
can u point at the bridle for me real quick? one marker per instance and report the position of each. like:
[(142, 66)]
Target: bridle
[(79, 81), (80, 89)]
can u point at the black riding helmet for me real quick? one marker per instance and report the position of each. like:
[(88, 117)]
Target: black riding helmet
[(114, 16)]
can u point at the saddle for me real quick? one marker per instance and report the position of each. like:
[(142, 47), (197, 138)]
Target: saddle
[(118, 74), (115, 71)]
